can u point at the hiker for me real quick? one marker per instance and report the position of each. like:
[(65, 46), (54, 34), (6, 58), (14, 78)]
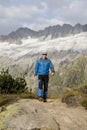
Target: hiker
[(42, 68)]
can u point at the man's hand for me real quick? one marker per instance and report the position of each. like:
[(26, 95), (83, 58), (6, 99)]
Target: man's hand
[(52, 73), (35, 77)]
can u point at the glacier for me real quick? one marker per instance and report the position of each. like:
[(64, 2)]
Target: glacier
[(31, 46)]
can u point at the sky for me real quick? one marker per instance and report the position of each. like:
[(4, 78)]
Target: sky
[(38, 14)]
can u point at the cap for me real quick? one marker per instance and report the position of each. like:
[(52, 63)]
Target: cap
[(44, 53)]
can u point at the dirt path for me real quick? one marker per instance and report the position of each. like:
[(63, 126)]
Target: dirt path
[(53, 115)]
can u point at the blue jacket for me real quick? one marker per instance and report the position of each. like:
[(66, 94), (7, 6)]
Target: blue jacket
[(43, 66)]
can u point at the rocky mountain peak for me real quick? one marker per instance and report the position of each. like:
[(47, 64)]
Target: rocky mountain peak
[(21, 33), (52, 31)]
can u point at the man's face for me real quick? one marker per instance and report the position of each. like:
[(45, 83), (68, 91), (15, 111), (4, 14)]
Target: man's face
[(44, 56)]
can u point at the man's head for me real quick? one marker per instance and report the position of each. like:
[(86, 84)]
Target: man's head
[(44, 54)]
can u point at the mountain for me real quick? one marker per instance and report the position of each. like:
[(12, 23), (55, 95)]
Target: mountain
[(50, 32), (18, 35), (66, 46), (34, 46)]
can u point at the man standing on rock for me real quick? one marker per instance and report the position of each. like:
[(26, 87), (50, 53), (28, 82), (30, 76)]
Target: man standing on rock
[(42, 68)]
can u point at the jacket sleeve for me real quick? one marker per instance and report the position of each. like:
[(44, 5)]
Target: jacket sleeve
[(36, 68), (52, 67)]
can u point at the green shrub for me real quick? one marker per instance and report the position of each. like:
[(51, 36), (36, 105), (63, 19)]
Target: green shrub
[(6, 81), (10, 85), (19, 85)]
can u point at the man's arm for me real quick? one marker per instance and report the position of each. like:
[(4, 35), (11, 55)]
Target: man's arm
[(52, 68)]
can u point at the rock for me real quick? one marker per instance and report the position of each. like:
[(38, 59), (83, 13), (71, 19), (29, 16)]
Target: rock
[(53, 115)]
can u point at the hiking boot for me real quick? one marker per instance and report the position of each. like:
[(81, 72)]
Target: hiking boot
[(40, 99), (45, 100)]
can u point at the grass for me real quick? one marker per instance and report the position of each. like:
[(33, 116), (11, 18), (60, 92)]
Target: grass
[(76, 96), (11, 107), (11, 98), (3, 101), (6, 99), (5, 116), (28, 95)]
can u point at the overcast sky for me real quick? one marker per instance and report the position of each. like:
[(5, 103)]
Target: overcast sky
[(37, 14)]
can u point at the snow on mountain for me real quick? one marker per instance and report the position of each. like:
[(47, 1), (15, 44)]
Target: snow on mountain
[(31, 46)]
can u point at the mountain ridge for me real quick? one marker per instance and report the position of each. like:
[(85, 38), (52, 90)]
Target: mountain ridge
[(55, 31)]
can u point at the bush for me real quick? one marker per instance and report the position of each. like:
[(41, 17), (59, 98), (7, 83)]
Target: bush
[(19, 85), (6, 81), (9, 85)]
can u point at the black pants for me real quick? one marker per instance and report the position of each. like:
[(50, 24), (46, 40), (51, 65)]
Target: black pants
[(43, 85)]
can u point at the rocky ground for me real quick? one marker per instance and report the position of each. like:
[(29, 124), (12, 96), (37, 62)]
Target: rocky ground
[(53, 115)]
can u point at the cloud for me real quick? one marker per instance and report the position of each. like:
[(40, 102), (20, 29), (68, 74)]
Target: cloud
[(75, 12), (3, 2), (39, 14), (20, 15)]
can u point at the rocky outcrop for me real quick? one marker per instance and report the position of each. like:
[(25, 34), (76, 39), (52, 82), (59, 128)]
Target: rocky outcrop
[(53, 115)]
